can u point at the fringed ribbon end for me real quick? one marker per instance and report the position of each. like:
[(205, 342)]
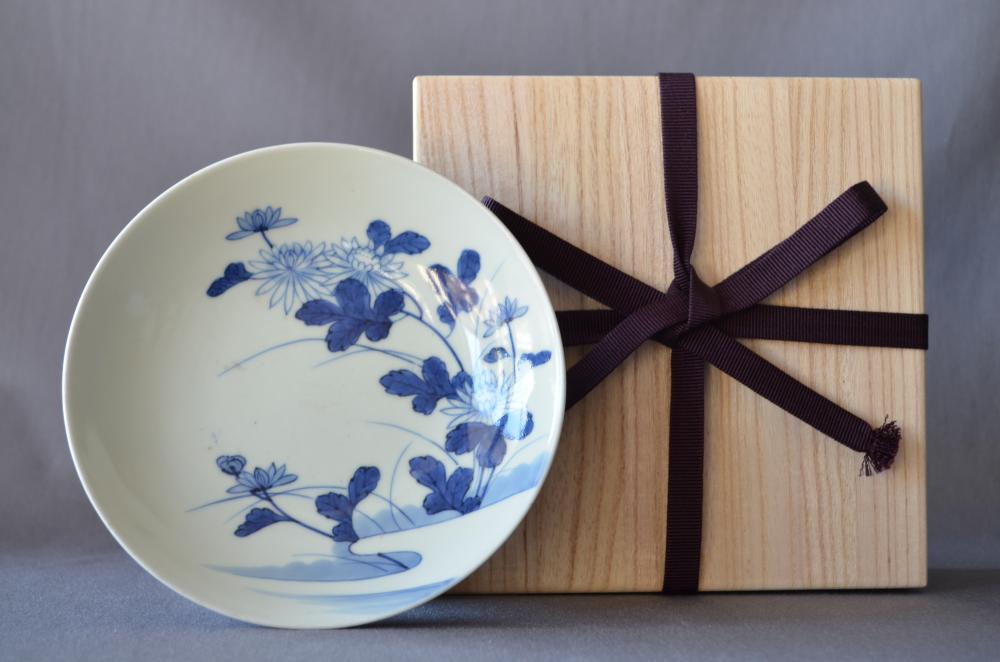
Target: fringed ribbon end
[(882, 449)]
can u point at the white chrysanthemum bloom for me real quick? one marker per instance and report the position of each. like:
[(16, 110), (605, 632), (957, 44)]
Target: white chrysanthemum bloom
[(371, 265), (293, 274)]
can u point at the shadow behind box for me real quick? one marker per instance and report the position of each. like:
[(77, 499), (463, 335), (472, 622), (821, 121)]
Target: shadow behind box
[(784, 506)]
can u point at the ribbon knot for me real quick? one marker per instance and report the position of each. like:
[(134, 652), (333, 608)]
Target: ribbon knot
[(701, 323), (686, 305), (703, 303)]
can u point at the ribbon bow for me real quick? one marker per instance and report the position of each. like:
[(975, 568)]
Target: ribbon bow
[(701, 323)]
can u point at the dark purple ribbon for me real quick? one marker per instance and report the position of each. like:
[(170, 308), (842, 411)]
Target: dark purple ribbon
[(700, 323)]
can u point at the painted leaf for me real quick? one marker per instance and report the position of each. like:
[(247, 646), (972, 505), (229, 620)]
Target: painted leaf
[(407, 242), (491, 451), (353, 298), (537, 358), (468, 266), (489, 442), (363, 483), (388, 303), (429, 472), (445, 494), (402, 383), (345, 333), (378, 233), (256, 520), (458, 294), (318, 312), (344, 532), (427, 389), (335, 506), (435, 374), (234, 274), (352, 314), (434, 503), (445, 316), (470, 504), (457, 486), (466, 437)]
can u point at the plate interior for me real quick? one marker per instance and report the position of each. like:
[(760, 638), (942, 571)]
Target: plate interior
[(313, 385)]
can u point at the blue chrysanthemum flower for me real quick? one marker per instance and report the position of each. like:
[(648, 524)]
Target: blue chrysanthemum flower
[(505, 313), (231, 464), (293, 274), (259, 220), (261, 480), (376, 269)]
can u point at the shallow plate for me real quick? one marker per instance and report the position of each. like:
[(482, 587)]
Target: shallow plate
[(313, 386)]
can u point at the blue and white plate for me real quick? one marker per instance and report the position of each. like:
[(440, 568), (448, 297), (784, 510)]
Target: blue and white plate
[(313, 385)]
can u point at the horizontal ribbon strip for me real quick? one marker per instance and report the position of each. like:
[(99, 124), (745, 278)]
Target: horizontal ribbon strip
[(766, 322)]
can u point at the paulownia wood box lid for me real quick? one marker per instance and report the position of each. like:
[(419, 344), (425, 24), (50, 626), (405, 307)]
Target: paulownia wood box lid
[(784, 506)]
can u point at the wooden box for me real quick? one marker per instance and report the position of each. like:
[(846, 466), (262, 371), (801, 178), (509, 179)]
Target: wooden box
[(784, 506)]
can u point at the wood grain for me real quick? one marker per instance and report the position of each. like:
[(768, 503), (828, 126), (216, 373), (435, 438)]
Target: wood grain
[(784, 505)]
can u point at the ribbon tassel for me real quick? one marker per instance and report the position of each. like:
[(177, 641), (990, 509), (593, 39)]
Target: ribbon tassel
[(883, 446)]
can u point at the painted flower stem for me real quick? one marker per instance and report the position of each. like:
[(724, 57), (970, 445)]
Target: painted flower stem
[(444, 340), (263, 235), (418, 436), (513, 349), (479, 481), (362, 348), (255, 355), (486, 485), (416, 304), (293, 520)]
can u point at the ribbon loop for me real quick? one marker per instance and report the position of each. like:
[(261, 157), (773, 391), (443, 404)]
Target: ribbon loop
[(851, 212)]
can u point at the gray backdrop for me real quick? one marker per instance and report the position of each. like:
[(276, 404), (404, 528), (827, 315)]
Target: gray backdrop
[(103, 105)]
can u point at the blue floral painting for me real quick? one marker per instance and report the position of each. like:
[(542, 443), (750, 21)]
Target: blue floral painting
[(350, 291)]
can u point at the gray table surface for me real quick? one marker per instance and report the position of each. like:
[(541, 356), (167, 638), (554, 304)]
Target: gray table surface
[(64, 605)]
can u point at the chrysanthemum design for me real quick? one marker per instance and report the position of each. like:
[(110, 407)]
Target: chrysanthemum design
[(259, 221), (259, 480), (372, 266), (292, 274), (505, 313)]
